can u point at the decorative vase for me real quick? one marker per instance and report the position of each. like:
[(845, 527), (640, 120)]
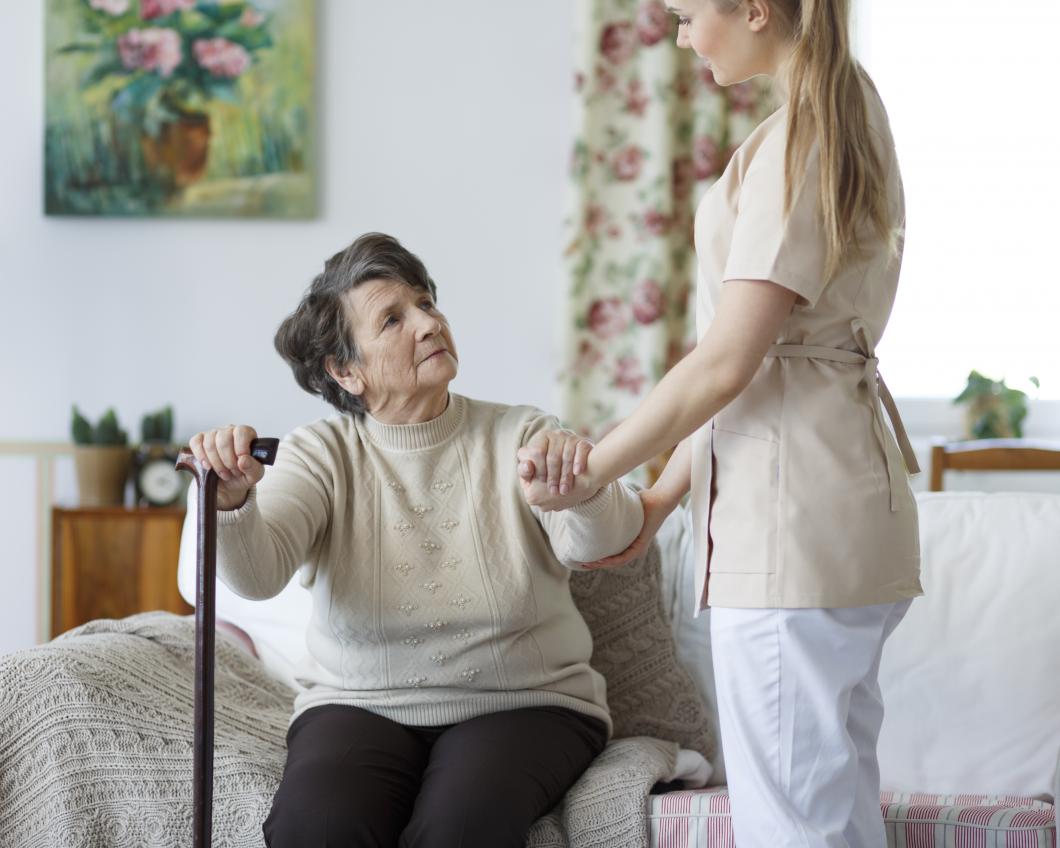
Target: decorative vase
[(177, 155), (102, 472)]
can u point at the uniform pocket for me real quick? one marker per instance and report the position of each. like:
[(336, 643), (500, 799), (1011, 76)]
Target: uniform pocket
[(743, 520)]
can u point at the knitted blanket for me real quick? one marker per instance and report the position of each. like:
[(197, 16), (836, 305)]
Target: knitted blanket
[(96, 747)]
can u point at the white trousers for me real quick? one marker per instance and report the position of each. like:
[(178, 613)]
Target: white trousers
[(800, 711)]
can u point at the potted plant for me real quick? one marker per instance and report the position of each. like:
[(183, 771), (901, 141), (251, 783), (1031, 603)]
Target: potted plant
[(163, 61), (994, 411), (102, 458)]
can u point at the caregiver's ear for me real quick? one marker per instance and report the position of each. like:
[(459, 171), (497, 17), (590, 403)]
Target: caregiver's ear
[(758, 14), (347, 375)]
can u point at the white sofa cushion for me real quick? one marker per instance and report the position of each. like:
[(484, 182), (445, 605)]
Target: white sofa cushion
[(971, 677), (691, 635), (277, 626)]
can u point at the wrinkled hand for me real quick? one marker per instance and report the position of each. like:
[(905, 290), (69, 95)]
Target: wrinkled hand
[(556, 457), (553, 470), (656, 509), (227, 451)]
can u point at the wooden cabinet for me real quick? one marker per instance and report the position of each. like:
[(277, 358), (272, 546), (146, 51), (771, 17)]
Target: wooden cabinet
[(110, 562)]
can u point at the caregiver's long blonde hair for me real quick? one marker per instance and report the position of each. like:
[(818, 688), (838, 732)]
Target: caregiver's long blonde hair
[(826, 104)]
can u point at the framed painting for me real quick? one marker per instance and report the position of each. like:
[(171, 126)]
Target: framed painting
[(180, 107)]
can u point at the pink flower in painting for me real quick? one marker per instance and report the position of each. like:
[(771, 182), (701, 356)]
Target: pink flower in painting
[(151, 49), (618, 41), (656, 223), (607, 317), (251, 17), (653, 23), (636, 101), (648, 302), (682, 177), (160, 8), (111, 7), (221, 57), (705, 157), (628, 374), (625, 164)]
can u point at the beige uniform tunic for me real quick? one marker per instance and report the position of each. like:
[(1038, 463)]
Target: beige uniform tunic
[(800, 492)]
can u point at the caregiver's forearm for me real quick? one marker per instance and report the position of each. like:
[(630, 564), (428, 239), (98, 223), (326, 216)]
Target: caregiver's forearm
[(676, 478), (690, 394)]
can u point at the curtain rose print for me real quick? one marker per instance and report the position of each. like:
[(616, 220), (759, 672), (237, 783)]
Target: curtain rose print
[(179, 107), (655, 131)]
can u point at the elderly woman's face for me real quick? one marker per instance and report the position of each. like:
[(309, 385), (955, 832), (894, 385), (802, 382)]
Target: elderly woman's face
[(407, 355)]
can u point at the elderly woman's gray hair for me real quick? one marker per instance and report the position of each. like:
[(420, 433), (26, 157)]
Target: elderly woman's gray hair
[(320, 328)]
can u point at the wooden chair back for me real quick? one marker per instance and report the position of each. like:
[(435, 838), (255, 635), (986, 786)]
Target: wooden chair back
[(992, 455)]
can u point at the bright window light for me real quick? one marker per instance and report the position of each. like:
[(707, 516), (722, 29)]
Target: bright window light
[(971, 91)]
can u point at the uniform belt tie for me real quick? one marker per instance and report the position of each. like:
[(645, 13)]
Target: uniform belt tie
[(879, 394)]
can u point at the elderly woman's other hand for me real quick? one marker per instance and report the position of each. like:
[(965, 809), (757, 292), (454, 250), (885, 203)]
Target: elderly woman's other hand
[(227, 451), (554, 457)]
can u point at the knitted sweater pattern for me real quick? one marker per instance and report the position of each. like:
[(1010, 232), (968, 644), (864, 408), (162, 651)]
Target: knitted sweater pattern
[(438, 594)]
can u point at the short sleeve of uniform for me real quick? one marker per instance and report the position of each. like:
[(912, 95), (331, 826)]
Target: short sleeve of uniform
[(767, 246)]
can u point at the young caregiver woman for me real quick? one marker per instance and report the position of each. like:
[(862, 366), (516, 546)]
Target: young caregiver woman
[(807, 546)]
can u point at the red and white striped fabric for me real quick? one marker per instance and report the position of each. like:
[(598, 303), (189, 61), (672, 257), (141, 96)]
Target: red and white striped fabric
[(700, 819)]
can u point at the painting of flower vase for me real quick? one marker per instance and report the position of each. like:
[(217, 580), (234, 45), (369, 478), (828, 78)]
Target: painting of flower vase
[(180, 108)]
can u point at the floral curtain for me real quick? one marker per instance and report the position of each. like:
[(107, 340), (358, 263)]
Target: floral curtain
[(654, 131)]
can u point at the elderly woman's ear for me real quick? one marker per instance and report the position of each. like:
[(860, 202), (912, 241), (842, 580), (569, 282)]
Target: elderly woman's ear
[(348, 376)]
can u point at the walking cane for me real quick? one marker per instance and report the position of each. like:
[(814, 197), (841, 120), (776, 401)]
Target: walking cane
[(264, 451)]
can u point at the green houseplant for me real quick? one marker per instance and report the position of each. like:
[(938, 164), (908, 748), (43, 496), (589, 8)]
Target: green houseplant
[(102, 459), (994, 410)]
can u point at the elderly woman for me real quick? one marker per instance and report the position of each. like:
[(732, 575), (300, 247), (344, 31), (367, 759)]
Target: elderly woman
[(448, 698)]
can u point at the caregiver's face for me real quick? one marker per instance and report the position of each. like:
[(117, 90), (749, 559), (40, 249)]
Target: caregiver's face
[(723, 34), (406, 348)]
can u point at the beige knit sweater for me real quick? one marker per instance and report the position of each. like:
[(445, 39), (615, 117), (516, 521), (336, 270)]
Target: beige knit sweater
[(438, 594)]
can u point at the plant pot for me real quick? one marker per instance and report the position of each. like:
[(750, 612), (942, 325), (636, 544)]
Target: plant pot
[(987, 418), (102, 472), (177, 155)]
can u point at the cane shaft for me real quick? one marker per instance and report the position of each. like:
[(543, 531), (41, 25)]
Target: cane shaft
[(263, 450), (205, 632)]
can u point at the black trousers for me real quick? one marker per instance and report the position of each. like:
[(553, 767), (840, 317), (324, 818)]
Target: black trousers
[(356, 779)]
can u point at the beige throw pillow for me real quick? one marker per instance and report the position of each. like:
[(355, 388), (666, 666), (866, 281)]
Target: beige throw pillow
[(648, 691)]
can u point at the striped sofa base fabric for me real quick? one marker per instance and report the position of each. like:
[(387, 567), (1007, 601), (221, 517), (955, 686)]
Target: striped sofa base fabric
[(700, 819)]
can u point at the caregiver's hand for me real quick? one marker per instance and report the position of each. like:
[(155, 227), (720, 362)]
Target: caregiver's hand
[(656, 508), (227, 451), (554, 457)]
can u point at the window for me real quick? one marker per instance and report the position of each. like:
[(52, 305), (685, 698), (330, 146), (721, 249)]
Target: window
[(970, 89)]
